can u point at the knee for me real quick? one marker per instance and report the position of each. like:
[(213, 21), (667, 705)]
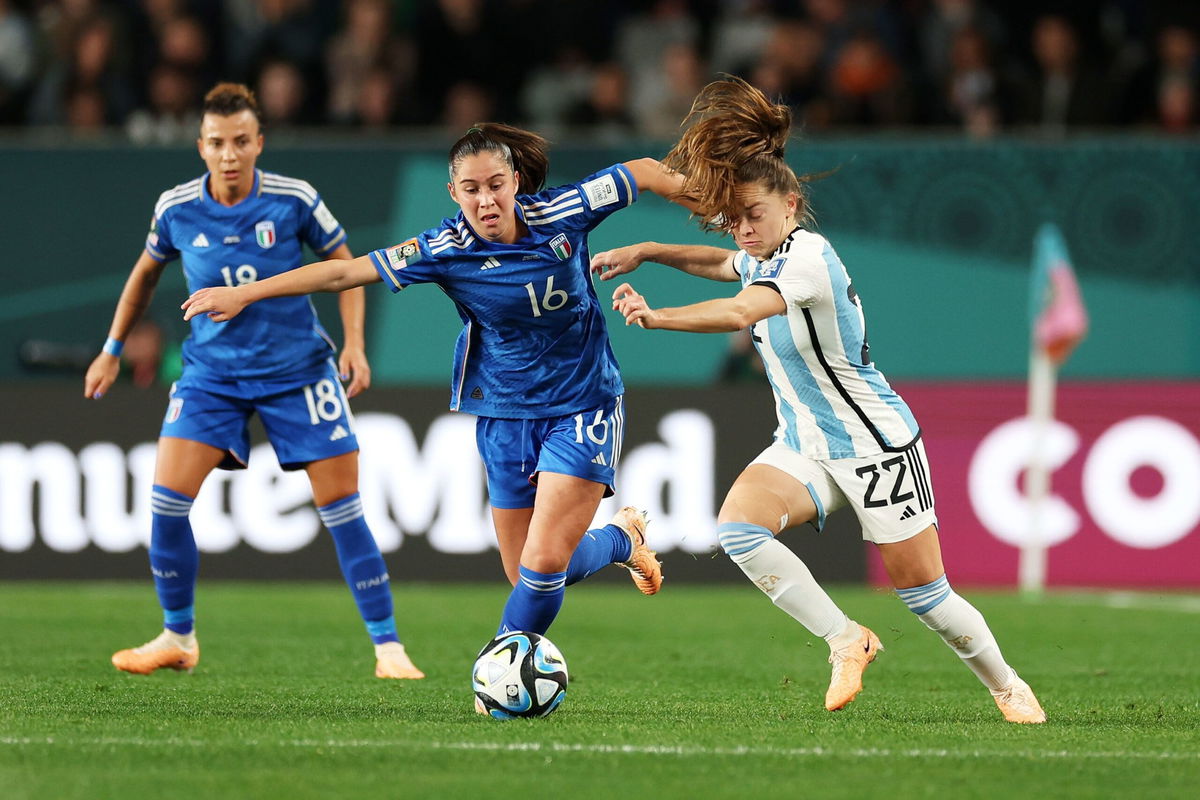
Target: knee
[(740, 540)]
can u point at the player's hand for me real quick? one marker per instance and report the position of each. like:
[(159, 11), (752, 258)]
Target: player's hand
[(353, 366), (100, 375), (220, 303), (612, 263), (633, 306)]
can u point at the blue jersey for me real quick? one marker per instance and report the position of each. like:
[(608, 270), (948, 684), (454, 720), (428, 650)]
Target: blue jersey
[(278, 339), (534, 342)]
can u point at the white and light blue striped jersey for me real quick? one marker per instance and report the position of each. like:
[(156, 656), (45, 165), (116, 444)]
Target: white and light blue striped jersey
[(534, 342), (830, 399), (275, 339)]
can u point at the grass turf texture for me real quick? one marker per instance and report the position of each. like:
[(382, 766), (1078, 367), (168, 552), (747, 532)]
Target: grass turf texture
[(700, 691)]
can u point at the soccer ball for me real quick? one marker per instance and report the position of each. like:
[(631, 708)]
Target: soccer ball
[(519, 674)]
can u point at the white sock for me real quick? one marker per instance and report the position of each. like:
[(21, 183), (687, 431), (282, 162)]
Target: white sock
[(784, 578), (966, 632)]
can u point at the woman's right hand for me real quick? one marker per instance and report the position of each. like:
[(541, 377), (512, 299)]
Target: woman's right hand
[(612, 263), (220, 303), (100, 375)]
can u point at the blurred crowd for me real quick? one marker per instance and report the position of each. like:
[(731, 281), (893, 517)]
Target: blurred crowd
[(618, 68)]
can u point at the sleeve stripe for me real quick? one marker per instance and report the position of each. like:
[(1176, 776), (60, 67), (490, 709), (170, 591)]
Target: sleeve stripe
[(544, 213), (325, 248), (630, 189), (279, 181), (572, 195), (272, 189), (384, 271), (563, 215)]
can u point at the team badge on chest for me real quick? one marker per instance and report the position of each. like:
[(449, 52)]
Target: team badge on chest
[(264, 233), (561, 247)]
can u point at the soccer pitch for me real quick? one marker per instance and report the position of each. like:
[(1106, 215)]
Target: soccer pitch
[(700, 691)]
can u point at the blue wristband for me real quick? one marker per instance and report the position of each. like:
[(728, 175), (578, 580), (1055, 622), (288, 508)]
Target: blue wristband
[(113, 347)]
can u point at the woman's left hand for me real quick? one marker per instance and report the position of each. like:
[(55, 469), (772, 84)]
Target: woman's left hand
[(353, 366)]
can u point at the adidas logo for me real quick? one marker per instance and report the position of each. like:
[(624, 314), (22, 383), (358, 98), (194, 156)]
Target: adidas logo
[(491, 263), (200, 241), (338, 433), (476, 393), (600, 460), (908, 512)]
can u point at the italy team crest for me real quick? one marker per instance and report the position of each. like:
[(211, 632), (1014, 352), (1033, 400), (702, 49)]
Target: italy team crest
[(561, 247), (264, 232)]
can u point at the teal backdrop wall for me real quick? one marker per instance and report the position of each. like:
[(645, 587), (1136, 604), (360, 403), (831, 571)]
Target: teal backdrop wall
[(937, 235)]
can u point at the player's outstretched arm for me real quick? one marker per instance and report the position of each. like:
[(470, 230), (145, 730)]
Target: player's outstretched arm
[(135, 298), (704, 261), (223, 303), (651, 175), (722, 315)]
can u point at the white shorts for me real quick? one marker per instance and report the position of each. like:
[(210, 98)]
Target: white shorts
[(890, 492)]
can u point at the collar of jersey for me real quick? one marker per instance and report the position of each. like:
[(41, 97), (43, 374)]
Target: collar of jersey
[(781, 244), (255, 190)]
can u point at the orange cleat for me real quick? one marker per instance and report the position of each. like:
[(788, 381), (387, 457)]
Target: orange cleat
[(643, 563), (168, 649), (1018, 704), (849, 663), (391, 661)]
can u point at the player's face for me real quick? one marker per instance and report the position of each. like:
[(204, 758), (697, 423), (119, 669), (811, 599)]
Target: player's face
[(230, 146), (486, 189), (765, 221)]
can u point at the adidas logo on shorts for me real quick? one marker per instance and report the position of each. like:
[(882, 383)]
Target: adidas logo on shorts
[(908, 513), (338, 433)]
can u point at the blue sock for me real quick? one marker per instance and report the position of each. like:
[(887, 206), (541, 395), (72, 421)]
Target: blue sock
[(534, 601), (174, 559), (598, 548), (362, 565)]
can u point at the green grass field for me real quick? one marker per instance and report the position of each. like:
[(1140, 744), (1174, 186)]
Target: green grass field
[(700, 692)]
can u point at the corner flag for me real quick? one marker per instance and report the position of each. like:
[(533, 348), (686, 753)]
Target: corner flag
[(1059, 322), (1056, 308)]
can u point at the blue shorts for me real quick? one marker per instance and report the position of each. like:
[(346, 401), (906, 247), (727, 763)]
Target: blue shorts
[(305, 423), (585, 445)]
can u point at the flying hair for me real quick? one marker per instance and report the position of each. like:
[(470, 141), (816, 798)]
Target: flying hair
[(524, 151), (734, 136)]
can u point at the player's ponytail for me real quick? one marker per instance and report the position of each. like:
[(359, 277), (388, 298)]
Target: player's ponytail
[(524, 152), (735, 136), (227, 99)]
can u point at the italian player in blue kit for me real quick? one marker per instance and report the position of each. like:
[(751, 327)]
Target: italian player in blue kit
[(233, 226), (533, 361), (844, 436)]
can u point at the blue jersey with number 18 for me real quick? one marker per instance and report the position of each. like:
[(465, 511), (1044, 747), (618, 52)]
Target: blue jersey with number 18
[(534, 342), (278, 339)]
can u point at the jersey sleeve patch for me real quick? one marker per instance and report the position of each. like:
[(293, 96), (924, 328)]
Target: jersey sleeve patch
[(403, 254), (325, 218), (771, 268), (600, 192)]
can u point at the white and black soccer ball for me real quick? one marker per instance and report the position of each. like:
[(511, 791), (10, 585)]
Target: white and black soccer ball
[(519, 674)]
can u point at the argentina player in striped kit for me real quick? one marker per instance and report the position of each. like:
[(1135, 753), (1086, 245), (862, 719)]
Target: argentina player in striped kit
[(844, 436), (233, 226), (533, 361)]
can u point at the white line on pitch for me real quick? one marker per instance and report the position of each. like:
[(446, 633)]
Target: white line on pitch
[(686, 751), (1145, 601)]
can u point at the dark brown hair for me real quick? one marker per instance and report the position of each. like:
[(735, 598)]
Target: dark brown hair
[(735, 136), (524, 152), (227, 99)]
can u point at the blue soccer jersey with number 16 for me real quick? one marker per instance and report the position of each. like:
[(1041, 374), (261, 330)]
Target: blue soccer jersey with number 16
[(534, 342)]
